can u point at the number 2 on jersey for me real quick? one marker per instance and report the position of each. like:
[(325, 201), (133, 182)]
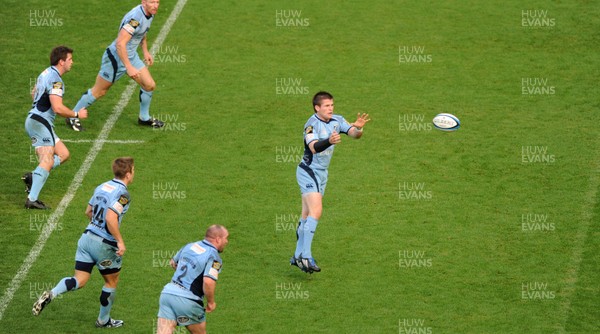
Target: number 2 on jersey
[(184, 269)]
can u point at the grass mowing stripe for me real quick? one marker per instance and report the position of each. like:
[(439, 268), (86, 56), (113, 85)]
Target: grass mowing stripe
[(85, 166)]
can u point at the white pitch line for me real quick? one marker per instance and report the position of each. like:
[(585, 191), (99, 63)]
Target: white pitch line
[(87, 141), (14, 285), (580, 240)]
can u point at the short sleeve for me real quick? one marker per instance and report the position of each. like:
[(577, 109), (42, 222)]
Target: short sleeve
[(56, 88), (119, 203), (344, 125), (132, 22), (309, 133), (213, 268)]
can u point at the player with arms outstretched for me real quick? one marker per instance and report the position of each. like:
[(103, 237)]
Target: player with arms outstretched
[(321, 134)]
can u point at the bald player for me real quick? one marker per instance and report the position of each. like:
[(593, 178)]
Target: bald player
[(197, 266)]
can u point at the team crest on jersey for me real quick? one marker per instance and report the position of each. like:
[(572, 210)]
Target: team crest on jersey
[(33, 140), (123, 200), (216, 265), (57, 88), (309, 130), (335, 128), (131, 26)]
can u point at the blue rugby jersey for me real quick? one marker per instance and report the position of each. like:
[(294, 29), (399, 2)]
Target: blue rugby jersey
[(111, 195), (194, 262), (317, 129), (49, 82), (137, 23)]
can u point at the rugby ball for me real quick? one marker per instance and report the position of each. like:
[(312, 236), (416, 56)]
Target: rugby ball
[(446, 122)]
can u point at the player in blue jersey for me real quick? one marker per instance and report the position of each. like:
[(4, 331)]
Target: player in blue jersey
[(197, 266), (121, 57), (101, 244), (39, 124), (321, 134)]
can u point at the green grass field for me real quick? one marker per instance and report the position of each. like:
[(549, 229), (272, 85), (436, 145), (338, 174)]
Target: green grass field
[(493, 228)]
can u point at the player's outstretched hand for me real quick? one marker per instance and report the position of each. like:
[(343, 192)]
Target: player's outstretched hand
[(361, 120), (82, 113), (335, 138)]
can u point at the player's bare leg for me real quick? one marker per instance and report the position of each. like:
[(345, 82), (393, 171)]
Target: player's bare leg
[(82, 277), (197, 328), (165, 326), (145, 80), (62, 152), (45, 156), (313, 204), (101, 87)]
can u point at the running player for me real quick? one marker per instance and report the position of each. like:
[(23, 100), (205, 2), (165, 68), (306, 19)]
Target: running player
[(101, 244), (47, 103), (121, 57)]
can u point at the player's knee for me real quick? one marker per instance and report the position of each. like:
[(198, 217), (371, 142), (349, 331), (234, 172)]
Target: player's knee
[(64, 156), (316, 213), (97, 93), (150, 86)]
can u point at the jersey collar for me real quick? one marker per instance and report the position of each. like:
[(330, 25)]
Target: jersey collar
[(317, 117), (206, 242), (55, 70), (146, 15), (119, 182)]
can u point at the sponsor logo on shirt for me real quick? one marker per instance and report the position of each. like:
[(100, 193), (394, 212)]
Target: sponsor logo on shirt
[(197, 249)]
